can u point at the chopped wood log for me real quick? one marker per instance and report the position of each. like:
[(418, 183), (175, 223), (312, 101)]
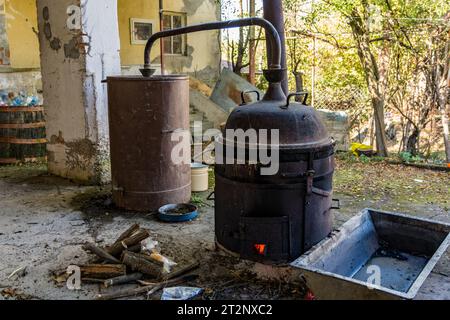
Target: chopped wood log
[(102, 271), (90, 280), (146, 283), (100, 253), (123, 280), (136, 248), (153, 259), (147, 289), (130, 231), (141, 263), (182, 271), (117, 248)]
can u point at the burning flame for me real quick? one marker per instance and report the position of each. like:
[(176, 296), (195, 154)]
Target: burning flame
[(310, 296), (261, 249)]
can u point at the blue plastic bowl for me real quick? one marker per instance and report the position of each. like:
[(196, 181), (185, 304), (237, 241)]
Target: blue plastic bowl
[(178, 213)]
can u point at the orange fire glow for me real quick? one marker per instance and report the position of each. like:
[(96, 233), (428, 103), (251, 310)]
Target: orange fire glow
[(261, 248)]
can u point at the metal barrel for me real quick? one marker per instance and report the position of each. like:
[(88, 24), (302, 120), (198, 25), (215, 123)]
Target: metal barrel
[(22, 134), (149, 124)]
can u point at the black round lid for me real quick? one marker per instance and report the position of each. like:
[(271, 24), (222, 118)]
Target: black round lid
[(300, 127)]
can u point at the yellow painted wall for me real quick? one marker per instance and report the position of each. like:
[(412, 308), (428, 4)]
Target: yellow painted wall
[(205, 45), (24, 45), (23, 42), (141, 9)]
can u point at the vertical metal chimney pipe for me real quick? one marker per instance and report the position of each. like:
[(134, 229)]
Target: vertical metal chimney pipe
[(161, 27), (273, 12)]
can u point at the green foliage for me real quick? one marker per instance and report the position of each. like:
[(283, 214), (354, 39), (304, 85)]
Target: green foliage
[(198, 201), (351, 158), (437, 157), (410, 158), (398, 41)]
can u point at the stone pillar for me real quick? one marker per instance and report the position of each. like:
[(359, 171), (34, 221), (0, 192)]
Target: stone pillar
[(79, 47)]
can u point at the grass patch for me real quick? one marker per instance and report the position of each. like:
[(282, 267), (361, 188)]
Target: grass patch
[(397, 183)]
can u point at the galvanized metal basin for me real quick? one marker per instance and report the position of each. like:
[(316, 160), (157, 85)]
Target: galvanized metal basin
[(375, 255)]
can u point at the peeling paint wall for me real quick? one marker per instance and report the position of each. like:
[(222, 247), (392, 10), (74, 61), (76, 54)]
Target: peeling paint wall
[(203, 49), (74, 62), (29, 82), (203, 56)]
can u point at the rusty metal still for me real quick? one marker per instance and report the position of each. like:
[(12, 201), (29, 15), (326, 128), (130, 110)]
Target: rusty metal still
[(143, 115), (286, 213), (274, 218)]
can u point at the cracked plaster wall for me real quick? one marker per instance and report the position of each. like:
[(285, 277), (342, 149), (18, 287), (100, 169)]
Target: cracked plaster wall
[(73, 64), (203, 49)]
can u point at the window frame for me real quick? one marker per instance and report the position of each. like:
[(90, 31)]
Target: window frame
[(3, 13), (134, 21), (183, 16)]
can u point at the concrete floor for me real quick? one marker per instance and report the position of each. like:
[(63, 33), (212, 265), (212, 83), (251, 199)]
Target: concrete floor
[(44, 220)]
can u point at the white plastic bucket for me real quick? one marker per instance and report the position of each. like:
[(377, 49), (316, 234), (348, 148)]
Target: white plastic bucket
[(200, 177)]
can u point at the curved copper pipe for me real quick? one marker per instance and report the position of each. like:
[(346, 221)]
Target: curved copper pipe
[(274, 60)]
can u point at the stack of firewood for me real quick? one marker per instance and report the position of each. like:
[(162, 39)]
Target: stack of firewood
[(126, 262)]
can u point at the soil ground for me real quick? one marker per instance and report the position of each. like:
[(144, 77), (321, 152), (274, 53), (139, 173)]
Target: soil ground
[(44, 220)]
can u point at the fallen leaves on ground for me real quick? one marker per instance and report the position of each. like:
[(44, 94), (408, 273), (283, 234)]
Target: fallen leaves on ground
[(381, 180)]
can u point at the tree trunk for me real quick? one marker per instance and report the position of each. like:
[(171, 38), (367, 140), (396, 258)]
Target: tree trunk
[(252, 46), (406, 135), (445, 123), (412, 143), (241, 46), (369, 63), (443, 102), (380, 128)]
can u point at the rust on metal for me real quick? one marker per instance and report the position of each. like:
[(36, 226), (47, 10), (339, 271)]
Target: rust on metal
[(22, 141), (264, 218), (143, 114), (26, 160), (288, 212), (8, 161), (22, 134), (33, 125), (21, 109)]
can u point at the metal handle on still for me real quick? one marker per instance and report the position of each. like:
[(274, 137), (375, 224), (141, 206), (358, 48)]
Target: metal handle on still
[(243, 93), (296, 94)]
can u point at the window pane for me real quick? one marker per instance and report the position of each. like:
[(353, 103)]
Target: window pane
[(167, 22), (167, 45), (177, 22), (178, 45), (4, 46), (142, 31), (173, 45)]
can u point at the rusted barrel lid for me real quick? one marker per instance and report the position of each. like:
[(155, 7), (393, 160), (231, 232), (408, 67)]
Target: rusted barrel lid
[(159, 78)]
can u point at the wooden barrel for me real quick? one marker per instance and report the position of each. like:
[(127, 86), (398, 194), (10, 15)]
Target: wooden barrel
[(22, 134)]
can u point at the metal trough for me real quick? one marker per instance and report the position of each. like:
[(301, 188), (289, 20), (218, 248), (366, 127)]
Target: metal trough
[(375, 255)]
